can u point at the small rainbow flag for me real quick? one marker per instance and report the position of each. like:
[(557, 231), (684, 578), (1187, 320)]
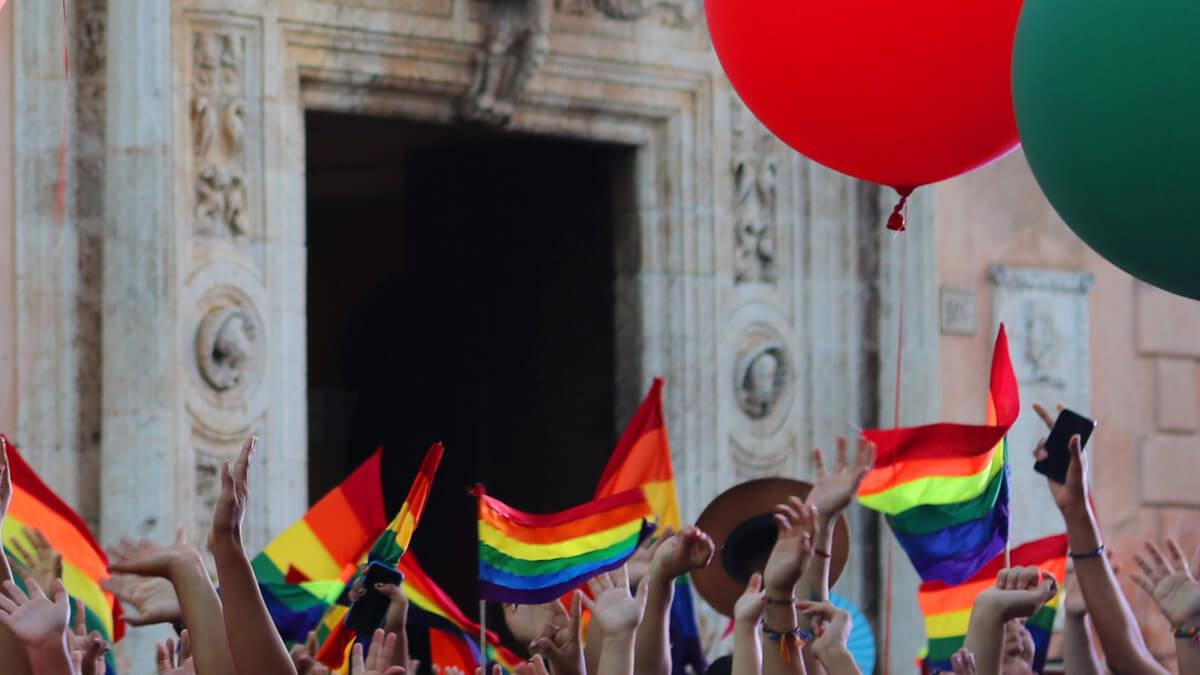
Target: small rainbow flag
[(34, 505), (528, 559), (333, 635), (304, 570), (453, 637), (642, 459), (944, 487), (947, 608)]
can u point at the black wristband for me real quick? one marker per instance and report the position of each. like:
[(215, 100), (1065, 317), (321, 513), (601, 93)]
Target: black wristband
[(1090, 554)]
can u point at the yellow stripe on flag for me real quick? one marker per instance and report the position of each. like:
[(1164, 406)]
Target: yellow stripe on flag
[(562, 549)]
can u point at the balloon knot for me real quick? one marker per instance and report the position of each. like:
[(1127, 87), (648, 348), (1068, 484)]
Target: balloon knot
[(896, 221)]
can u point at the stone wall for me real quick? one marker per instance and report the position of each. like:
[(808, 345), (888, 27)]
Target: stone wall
[(1087, 334), (166, 320)]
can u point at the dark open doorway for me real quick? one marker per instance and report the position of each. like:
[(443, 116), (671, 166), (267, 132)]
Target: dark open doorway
[(461, 288)]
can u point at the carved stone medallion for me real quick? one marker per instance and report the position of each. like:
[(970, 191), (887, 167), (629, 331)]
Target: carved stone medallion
[(230, 348), (762, 381)]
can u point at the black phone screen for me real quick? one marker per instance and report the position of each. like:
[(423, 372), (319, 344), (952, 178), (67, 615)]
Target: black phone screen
[(1058, 457)]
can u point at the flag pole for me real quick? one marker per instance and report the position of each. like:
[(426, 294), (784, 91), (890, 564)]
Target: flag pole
[(483, 658)]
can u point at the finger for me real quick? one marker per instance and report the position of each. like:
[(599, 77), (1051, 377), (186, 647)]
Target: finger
[(755, 585), (7, 604), (180, 536), (818, 463), (32, 591), (1158, 559), (311, 643), (58, 565), (1178, 560), (643, 590), (185, 645), (784, 525), (357, 667), (622, 576), (1077, 465), (865, 460), (576, 606), (787, 512), (1039, 452), (162, 659), (1143, 583), (80, 618), (1042, 413), (375, 646), (22, 552), (39, 540), (841, 454), (588, 603), (242, 466), (1147, 568)]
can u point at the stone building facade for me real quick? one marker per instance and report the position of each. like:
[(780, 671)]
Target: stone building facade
[(165, 316)]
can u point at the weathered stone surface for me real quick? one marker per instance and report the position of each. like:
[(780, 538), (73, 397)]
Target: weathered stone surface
[(1169, 466), (1175, 394)]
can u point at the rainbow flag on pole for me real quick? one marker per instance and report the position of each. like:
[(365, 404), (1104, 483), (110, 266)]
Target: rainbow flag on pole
[(944, 487), (34, 505), (304, 570), (528, 559), (453, 638), (642, 459), (334, 637), (947, 608)]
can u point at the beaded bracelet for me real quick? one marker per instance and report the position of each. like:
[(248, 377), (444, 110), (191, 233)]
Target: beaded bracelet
[(790, 638), (781, 601), (1090, 554), (1187, 633)]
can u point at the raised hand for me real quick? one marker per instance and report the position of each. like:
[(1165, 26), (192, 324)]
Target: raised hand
[(304, 657), (230, 508), (833, 492), (170, 661), (1168, 579), (1018, 593), (1071, 496), (639, 563), (750, 607), (615, 610), (963, 662), (41, 561), (563, 645), (689, 550), (528, 622), (831, 626), (35, 619), (378, 660), (796, 521), (87, 650)]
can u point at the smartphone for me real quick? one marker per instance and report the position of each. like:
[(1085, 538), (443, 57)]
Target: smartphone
[(367, 614), (1058, 457)]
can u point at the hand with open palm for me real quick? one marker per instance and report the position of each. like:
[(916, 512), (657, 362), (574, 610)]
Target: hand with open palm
[(35, 619), (378, 660), (1168, 579), (615, 610), (833, 492), (172, 661), (796, 521)]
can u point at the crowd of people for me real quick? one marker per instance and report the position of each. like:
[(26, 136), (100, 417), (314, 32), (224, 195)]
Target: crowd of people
[(783, 624)]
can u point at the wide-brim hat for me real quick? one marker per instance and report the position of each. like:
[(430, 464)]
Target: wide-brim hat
[(741, 525)]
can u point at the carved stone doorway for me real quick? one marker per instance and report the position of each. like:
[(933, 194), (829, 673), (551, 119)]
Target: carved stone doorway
[(461, 287)]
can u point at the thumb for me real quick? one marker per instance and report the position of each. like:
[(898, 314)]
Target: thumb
[(643, 590), (59, 593)]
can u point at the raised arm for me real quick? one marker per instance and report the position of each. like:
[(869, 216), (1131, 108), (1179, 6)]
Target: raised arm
[(395, 621), (787, 562), (831, 495), (1116, 626), (200, 608), (1018, 593), (747, 621), (1079, 654), (1169, 579), (619, 613), (832, 628), (689, 550), (254, 643), (12, 652), (40, 624)]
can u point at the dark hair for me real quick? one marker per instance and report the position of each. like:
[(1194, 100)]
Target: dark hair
[(722, 666)]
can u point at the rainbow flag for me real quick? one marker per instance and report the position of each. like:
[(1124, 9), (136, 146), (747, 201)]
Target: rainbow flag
[(528, 559), (642, 459), (453, 638), (304, 570), (947, 608), (85, 565), (333, 635), (944, 487)]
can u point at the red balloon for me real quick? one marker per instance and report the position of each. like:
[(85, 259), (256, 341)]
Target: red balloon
[(897, 92)]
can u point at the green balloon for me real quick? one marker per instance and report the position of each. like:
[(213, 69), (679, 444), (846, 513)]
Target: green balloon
[(1107, 98)]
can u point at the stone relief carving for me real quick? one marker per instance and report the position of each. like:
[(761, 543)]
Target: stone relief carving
[(762, 378), (218, 127), (515, 48), (675, 13), (755, 169), (226, 348)]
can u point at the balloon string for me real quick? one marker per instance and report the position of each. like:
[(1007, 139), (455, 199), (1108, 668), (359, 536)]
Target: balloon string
[(900, 212), (899, 217)]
